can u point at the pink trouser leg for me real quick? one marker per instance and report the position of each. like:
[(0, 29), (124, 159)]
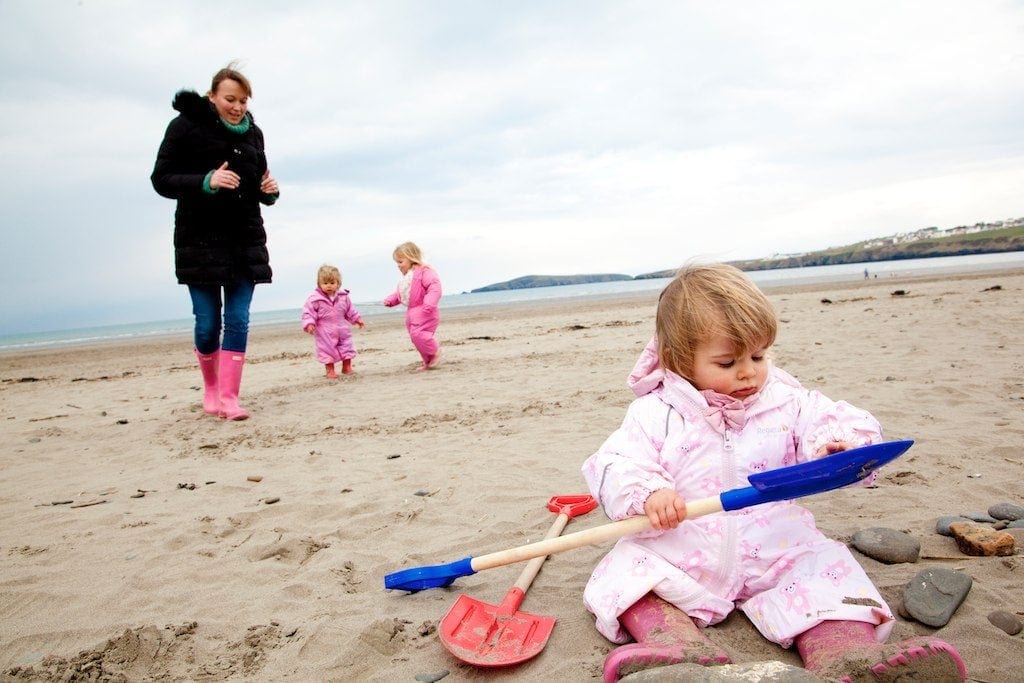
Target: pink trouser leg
[(664, 635), (847, 650)]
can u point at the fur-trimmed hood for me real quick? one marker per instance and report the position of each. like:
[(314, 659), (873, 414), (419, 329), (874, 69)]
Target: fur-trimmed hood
[(198, 108)]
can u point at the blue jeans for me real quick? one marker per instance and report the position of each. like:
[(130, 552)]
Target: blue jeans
[(206, 307)]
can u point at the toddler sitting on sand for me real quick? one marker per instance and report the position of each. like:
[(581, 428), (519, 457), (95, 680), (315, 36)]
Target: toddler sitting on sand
[(711, 410)]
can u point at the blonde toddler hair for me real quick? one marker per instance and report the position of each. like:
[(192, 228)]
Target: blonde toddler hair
[(410, 251), (703, 301), (328, 273)]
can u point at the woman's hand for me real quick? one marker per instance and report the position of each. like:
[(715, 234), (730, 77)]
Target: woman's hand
[(665, 509), (222, 178), (268, 185)]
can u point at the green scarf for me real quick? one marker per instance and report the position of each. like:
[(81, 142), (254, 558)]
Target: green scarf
[(239, 128)]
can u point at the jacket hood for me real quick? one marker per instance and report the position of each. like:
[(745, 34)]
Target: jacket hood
[(197, 107), (318, 295)]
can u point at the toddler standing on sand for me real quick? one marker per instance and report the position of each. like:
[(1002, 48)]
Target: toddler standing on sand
[(420, 290), (327, 315), (711, 410)]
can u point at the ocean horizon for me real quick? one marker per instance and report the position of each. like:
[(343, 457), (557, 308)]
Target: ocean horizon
[(779, 277)]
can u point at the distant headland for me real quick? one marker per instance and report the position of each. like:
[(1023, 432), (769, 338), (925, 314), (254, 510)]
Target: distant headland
[(980, 238)]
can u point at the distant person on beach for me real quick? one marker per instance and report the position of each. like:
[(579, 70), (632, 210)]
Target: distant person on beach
[(420, 290), (213, 163), (328, 315), (711, 410)]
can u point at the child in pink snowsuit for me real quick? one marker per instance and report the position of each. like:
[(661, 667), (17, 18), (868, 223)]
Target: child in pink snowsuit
[(711, 410), (327, 315), (420, 290)]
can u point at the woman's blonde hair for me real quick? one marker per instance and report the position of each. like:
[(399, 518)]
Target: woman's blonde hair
[(410, 251), (706, 300), (328, 273)]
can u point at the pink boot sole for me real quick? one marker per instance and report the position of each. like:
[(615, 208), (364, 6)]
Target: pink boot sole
[(918, 659), (634, 657)]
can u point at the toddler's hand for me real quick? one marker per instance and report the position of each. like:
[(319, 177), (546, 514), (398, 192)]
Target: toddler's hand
[(665, 508), (361, 324), (834, 447), (309, 328)]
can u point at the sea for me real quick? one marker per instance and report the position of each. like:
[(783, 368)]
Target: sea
[(767, 278)]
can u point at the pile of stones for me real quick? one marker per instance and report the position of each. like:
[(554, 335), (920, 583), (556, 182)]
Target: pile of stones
[(935, 593)]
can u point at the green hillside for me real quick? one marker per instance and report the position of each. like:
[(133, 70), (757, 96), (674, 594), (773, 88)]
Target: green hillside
[(888, 249), (925, 243)]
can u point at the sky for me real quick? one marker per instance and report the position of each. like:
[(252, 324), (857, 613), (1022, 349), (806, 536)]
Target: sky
[(505, 138)]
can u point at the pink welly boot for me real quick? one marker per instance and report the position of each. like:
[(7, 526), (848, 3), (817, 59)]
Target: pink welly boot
[(211, 395), (847, 651), (230, 380), (664, 635)]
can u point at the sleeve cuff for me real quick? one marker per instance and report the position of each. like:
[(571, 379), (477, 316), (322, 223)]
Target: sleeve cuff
[(206, 184)]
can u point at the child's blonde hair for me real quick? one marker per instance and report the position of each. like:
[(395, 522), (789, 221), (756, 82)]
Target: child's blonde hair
[(328, 273), (410, 251), (705, 300)]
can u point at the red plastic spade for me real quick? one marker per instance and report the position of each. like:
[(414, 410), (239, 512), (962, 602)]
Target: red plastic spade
[(500, 635)]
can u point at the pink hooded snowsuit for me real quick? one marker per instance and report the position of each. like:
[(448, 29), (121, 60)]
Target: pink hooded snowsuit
[(769, 560), (333, 319), (422, 315)]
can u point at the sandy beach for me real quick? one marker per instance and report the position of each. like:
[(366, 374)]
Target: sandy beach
[(172, 562)]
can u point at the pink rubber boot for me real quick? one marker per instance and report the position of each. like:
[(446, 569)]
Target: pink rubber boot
[(230, 381), (847, 651), (211, 397), (331, 374), (664, 634)]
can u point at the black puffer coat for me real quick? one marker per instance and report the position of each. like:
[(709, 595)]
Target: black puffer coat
[(219, 237)]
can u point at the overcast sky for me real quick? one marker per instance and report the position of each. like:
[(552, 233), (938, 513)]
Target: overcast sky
[(505, 138)]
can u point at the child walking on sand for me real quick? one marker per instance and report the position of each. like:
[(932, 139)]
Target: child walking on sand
[(712, 409), (328, 315), (420, 290)]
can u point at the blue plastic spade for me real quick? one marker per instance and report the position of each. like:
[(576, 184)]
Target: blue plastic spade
[(786, 483)]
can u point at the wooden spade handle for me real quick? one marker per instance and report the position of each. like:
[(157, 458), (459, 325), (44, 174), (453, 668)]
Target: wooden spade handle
[(530, 571), (598, 534)]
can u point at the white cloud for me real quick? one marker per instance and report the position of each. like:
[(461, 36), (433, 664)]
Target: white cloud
[(506, 138)]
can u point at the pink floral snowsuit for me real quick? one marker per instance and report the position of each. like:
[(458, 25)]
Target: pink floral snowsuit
[(769, 560), (333, 319), (422, 315)]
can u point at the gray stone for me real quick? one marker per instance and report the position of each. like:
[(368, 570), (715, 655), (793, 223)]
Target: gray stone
[(934, 595), (761, 672), (942, 526), (1007, 511), (887, 545), (1016, 524), (1006, 621), (979, 517)]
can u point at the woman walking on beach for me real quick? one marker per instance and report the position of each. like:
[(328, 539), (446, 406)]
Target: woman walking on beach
[(212, 162), (420, 290), (712, 410)]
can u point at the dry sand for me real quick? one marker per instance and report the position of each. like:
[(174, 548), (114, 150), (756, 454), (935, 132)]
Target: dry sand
[(203, 578)]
